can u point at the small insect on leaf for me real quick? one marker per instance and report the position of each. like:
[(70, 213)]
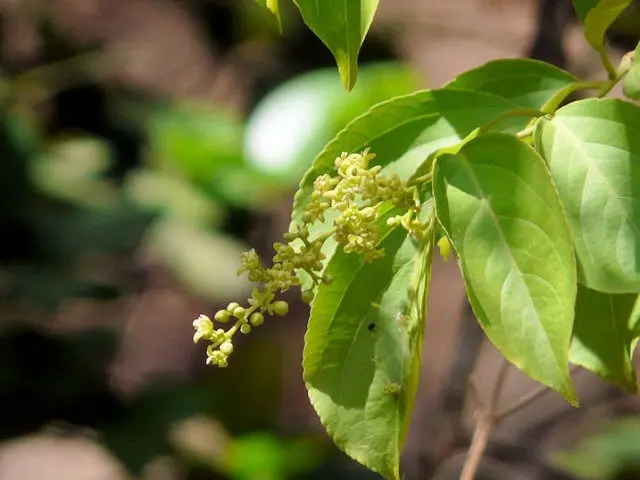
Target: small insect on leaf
[(371, 326), (394, 389), (402, 319)]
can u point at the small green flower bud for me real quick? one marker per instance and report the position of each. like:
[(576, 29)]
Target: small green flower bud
[(232, 306), (307, 296), (245, 328), (290, 236), (317, 265), (256, 319), (239, 312), (227, 348), (255, 276), (281, 307), (222, 316), (327, 279), (222, 363), (307, 217), (445, 248)]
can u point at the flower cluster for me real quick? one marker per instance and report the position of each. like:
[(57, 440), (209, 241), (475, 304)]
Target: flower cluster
[(356, 194)]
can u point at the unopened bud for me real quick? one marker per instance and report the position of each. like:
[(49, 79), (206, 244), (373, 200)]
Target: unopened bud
[(281, 307)]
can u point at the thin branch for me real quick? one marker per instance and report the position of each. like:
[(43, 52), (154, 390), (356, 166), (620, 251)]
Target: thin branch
[(606, 63), (497, 389), (530, 397), (484, 427), (483, 430), (520, 112), (522, 402)]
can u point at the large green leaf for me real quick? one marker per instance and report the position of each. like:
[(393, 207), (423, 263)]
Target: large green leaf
[(527, 83), (497, 204), (592, 148), (606, 330), (596, 16), (342, 26), (405, 130), (363, 346), (631, 85)]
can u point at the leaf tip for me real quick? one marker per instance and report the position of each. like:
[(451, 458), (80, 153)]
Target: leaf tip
[(348, 70)]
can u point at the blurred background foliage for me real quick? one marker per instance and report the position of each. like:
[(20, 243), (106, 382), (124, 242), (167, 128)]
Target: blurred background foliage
[(134, 170), (109, 188)]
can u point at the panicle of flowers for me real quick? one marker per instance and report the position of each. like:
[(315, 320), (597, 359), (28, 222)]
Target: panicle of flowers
[(356, 193)]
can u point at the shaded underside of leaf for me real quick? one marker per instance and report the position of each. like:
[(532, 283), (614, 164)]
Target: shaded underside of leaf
[(362, 349), (525, 82), (496, 202), (592, 148), (598, 19), (583, 7), (342, 26), (605, 333), (404, 131)]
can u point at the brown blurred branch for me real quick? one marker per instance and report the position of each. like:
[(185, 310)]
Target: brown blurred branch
[(486, 422)]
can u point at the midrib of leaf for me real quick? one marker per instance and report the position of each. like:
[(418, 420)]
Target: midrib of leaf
[(361, 323), (347, 42), (505, 244)]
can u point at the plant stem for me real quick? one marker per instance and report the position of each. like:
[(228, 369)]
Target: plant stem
[(484, 427), (620, 72), (483, 430), (608, 66), (523, 402), (489, 418), (554, 102), (527, 132), (520, 112)]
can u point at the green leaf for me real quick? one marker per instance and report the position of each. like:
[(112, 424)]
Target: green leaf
[(527, 83), (295, 120), (198, 142), (596, 16), (592, 148), (496, 203), (274, 7), (363, 347), (606, 330), (631, 85), (342, 26), (404, 131)]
